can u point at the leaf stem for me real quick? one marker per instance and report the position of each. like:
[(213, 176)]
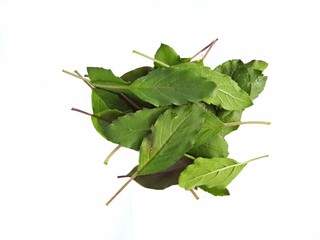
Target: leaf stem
[(153, 59), (131, 102), (86, 82), (77, 76), (194, 194), (189, 156), (121, 189), (111, 154), (254, 159), (210, 45), (232, 124), (89, 114)]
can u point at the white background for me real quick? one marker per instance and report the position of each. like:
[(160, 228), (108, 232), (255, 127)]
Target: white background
[(53, 183)]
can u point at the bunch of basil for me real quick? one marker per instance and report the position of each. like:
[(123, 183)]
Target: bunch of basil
[(176, 114)]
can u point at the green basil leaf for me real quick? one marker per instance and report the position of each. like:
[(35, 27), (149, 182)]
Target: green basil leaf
[(257, 86), (103, 119), (129, 130), (216, 191), (172, 85), (101, 75), (104, 79), (248, 76), (211, 127), (227, 94), (214, 172), (229, 116), (173, 134), (258, 65), (103, 100), (134, 74), (217, 146), (167, 55)]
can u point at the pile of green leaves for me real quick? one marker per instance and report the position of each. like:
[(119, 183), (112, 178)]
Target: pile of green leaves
[(176, 114)]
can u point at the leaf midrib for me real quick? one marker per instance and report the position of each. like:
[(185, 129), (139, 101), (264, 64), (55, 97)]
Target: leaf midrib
[(218, 170), (163, 145)]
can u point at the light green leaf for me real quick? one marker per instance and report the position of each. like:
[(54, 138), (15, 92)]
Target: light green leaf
[(129, 130), (217, 146), (227, 94), (167, 55), (172, 136), (172, 85), (214, 172)]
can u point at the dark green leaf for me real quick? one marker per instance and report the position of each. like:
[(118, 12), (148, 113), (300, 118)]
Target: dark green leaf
[(216, 191), (133, 75), (129, 130), (167, 55), (248, 76), (172, 136), (103, 100), (172, 85), (216, 147), (215, 172), (163, 179)]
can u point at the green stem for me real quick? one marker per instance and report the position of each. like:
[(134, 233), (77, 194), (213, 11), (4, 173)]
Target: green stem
[(111, 154), (232, 124), (189, 156), (194, 194), (254, 159), (102, 86), (86, 82), (153, 59), (77, 76), (121, 189)]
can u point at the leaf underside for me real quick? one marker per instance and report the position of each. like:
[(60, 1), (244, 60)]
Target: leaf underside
[(212, 173)]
